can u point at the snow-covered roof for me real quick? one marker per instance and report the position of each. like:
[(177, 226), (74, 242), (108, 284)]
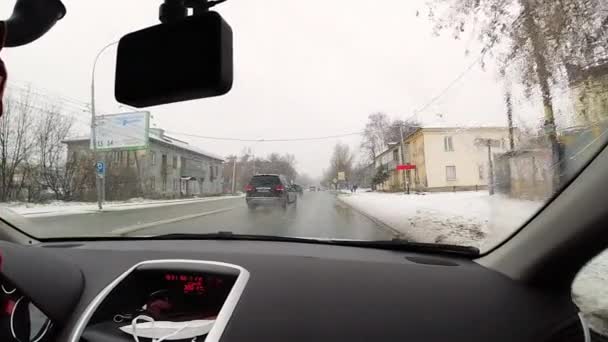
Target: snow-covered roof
[(159, 135)]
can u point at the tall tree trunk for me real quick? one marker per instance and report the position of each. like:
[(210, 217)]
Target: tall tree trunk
[(543, 74), (509, 104)]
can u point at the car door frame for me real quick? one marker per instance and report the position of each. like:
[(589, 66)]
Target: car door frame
[(556, 243)]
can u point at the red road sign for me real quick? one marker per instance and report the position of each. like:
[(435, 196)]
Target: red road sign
[(406, 167)]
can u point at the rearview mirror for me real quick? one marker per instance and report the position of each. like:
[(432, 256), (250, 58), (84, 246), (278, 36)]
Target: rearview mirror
[(175, 61)]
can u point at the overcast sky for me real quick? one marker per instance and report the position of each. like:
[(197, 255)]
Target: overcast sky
[(302, 69)]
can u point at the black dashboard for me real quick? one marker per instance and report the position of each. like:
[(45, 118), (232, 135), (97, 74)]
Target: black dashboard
[(294, 292)]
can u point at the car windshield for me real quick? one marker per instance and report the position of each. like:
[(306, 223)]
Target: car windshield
[(437, 121)]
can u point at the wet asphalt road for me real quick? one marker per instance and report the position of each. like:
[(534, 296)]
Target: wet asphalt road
[(316, 214)]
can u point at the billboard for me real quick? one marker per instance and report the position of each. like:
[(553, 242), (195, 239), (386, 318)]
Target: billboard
[(125, 131)]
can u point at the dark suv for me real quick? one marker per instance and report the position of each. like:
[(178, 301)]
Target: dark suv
[(273, 190)]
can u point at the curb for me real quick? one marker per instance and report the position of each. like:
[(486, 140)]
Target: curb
[(396, 233), (125, 207)]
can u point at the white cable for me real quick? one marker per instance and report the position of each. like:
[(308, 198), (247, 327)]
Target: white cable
[(150, 319), (134, 324)]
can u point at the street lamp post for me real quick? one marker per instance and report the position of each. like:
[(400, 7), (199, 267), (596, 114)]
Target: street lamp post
[(99, 181)]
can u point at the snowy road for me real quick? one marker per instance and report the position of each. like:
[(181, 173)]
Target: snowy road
[(316, 214)]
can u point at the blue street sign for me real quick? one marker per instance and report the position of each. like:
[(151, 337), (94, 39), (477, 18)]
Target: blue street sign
[(100, 167)]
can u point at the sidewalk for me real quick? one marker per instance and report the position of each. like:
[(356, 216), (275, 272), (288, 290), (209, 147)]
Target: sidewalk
[(60, 208)]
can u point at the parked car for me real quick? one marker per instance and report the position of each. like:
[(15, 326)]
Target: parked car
[(269, 190)]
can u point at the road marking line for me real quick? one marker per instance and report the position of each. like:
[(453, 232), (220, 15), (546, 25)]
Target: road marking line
[(136, 227)]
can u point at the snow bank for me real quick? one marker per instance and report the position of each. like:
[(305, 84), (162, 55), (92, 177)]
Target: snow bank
[(55, 208), (464, 218)]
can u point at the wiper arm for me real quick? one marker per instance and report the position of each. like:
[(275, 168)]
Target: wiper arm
[(410, 246), (226, 235), (394, 244)]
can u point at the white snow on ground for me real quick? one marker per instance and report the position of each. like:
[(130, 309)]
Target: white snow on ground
[(55, 208), (478, 219), (464, 218)]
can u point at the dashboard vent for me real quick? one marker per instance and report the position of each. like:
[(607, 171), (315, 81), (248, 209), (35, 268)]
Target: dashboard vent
[(431, 261)]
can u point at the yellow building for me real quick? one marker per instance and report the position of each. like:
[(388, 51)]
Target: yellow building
[(444, 159), (590, 93)]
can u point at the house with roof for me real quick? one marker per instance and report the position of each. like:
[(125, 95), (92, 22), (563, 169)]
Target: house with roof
[(167, 168), (443, 158)]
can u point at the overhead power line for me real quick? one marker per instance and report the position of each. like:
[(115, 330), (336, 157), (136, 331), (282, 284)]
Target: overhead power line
[(452, 83), (327, 137)]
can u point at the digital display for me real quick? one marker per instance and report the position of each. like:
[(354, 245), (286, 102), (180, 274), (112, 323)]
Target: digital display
[(192, 283)]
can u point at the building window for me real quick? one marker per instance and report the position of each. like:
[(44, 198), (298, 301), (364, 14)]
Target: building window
[(396, 155), (450, 173), (153, 158), (481, 172), (175, 162), (448, 146)]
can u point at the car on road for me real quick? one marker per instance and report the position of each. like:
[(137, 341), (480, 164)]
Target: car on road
[(269, 190), (312, 189)]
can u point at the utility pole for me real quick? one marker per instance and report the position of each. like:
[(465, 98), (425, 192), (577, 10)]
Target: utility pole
[(234, 176), (490, 170), (489, 143), (406, 185), (510, 118)]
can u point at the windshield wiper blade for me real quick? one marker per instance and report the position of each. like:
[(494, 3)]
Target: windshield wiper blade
[(227, 235), (410, 246), (394, 244)]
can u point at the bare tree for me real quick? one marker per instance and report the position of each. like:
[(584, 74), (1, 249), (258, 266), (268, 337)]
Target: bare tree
[(393, 133), (16, 142), (341, 161), (380, 131), (362, 174), (64, 175), (537, 38), (274, 163), (374, 135)]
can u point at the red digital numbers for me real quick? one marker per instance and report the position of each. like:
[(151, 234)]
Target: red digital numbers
[(192, 284)]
